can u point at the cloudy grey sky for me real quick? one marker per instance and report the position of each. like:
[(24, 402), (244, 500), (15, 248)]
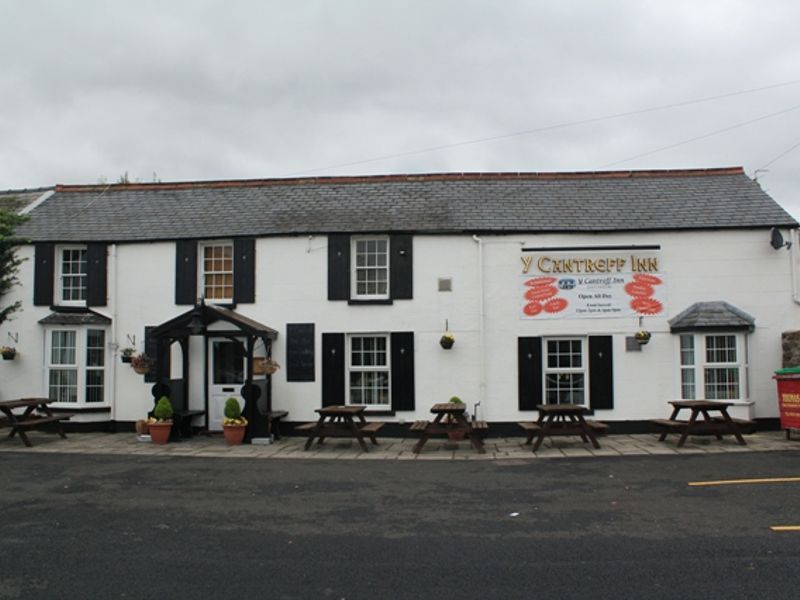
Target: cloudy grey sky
[(206, 89)]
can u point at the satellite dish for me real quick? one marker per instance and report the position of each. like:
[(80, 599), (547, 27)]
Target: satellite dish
[(776, 239)]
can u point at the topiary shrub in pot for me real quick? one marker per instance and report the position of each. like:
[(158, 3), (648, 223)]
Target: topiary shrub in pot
[(160, 424), (456, 435), (234, 424)]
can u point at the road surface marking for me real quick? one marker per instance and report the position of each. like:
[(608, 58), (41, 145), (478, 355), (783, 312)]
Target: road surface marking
[(785, 528), (742, 481)]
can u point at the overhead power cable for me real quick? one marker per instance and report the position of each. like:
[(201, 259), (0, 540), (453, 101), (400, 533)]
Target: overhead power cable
[(546, 128), (702, 137), (781, 155)]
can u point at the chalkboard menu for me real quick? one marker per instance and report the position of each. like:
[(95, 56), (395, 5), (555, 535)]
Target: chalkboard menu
[(300, 352)]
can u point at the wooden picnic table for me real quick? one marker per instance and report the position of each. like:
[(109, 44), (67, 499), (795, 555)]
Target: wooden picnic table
[(708, 425), (562, 419), (341, 421), (455, 422), (36, 413)]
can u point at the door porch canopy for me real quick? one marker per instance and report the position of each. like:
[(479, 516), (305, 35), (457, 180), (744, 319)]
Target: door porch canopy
[(196, 322)]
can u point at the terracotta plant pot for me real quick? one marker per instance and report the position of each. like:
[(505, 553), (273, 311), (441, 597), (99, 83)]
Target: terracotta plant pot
[(234, 434), (159, 432), (456, 436)]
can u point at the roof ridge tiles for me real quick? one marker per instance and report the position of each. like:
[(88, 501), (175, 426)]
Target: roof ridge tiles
[(409, 177)]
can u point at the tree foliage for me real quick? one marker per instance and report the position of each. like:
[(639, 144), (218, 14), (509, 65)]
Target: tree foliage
[(9, 261)]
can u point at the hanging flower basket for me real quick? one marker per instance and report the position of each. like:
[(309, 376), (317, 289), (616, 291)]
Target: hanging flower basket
[(8, 352), (141, 363), (265, 366), (447, 340), (642, 337), (127, 355)]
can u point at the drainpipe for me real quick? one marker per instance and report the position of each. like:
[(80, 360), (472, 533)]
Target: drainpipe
[(481, 329), (114, 315), (793, 249)]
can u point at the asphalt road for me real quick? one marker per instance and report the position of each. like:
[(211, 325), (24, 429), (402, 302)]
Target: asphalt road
[(83, 526)]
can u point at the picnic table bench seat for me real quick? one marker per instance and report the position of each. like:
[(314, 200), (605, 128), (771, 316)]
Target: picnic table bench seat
[(419, 425), (331, 431), (597, 426), (275, 417), (35, 421)]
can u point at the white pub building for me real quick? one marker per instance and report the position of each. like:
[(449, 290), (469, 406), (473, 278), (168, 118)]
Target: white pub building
[(617, 290)]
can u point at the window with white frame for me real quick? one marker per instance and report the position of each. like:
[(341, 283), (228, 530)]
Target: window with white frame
[(370, 264), (713, 366), (71, 276), (369, 370), (565, 371), (76, 360), (216, 271)]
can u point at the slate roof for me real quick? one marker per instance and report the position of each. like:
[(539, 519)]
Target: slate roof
[(711, 315), (16, 200), (443, 203), (87, 317)]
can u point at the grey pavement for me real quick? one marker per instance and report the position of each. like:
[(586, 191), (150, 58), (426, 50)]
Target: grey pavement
[(499, 449)]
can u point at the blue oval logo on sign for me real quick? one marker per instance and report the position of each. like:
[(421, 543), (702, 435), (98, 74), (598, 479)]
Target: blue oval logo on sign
[(566, 284)]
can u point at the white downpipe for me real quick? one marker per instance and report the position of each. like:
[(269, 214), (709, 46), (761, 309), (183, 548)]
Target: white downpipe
[(793, 250), (481, 328), (115, 345)]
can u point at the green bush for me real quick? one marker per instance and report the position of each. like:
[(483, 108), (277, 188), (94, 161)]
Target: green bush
[(232, 408), (163, 409), (456, 400)]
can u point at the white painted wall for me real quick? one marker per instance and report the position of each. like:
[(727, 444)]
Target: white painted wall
[(738, 267)]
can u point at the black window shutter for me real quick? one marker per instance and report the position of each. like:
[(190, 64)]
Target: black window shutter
[(186, 272), (333, 369), (96, 260), (338, 267), (151, 350), (403, 371), (44, 274), (300, 352), (244, 270), (529, 360), (601, 372), (401, 284)]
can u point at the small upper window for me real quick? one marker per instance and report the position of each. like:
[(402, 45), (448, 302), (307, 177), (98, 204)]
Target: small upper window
[(370, 267), (71, 276), (216, 271)]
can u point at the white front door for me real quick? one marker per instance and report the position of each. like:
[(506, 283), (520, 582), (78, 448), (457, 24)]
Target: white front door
[(226, 377)]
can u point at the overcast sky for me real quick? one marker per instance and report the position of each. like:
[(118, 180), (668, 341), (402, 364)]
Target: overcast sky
[(201, 89)]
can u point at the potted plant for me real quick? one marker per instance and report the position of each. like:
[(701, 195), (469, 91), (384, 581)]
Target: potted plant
[(447, 340), (127, 354), (8, 352), (234, 424), (456, 435), (141, 363), (160, 424)]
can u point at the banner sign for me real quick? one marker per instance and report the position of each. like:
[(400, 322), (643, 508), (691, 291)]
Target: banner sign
[(581, 288)]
